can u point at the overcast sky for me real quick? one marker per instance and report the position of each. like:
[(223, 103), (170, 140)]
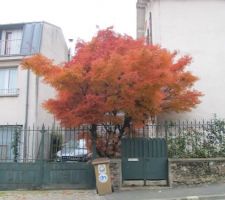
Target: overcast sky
[(77, 18)]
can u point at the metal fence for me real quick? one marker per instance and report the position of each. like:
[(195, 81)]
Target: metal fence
[(194, 139), (187, 139), (34, 158), (50, 144), (184, 140)]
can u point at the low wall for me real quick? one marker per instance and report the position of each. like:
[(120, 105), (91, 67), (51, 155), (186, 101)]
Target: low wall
[(181, 171), (196, 171), (116, 173)]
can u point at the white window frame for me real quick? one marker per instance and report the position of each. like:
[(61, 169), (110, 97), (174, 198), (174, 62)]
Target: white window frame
[(12, 45), (7, 89)]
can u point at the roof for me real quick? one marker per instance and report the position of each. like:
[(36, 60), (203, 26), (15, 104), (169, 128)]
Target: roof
[(20, 25)]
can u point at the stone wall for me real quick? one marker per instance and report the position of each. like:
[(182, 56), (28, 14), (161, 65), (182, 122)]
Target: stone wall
[(116, 173), (196, 171)]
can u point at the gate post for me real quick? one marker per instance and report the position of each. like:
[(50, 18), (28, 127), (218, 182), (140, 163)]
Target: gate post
[(168, 165)]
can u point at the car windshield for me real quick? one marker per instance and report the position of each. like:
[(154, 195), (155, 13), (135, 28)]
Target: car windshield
[(75, 144)]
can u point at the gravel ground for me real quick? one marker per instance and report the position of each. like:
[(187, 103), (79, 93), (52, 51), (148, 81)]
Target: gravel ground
[(50, 195)]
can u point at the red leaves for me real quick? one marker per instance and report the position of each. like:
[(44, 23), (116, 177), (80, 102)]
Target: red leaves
[(113, 75)]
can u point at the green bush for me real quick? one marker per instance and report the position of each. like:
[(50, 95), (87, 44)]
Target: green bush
[(197, 140)]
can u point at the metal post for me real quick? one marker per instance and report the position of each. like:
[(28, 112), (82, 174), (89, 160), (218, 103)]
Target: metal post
[(42, 144), (166, 130), (145, 160)]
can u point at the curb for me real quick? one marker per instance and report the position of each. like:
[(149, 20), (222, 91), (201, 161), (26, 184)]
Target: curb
[(206, 197)]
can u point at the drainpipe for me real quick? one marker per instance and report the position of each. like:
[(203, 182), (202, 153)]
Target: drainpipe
[(37, 80), (26, 115), (36, 99)]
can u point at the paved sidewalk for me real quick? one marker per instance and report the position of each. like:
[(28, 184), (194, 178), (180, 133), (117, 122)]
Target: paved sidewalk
[(204, 192), (50, 195)]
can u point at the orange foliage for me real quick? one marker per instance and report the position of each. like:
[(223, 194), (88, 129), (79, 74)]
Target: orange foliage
[(114, 76), (107, 145)]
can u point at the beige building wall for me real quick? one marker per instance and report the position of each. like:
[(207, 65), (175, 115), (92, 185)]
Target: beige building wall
[(53, 46), (13, 108), (196, 28)]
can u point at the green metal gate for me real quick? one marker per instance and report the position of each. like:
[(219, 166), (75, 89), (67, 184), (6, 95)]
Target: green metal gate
[(36, 166), (144, 159)]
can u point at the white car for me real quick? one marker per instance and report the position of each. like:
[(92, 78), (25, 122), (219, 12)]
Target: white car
[(73, 150)]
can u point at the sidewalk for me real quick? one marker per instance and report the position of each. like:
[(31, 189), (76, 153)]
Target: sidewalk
[(212, 191), (205, 192), (50, 195)]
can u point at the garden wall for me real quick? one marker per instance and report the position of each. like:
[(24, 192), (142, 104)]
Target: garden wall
[(196, 171)]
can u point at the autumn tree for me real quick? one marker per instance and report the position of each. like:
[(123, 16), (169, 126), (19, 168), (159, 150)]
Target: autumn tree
[(115, 80)]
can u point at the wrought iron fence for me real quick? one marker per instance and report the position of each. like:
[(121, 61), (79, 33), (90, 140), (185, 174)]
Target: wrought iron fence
[(196, 139), (50, 144), (184, 140), (188, 139)]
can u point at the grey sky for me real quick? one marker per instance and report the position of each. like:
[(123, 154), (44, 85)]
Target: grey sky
[(77, 18)]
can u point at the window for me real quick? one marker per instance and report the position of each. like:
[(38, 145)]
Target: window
[(8, 82), (10, 143), (10, 42)]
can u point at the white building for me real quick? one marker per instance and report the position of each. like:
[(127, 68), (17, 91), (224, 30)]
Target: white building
[(196, 28), (21, 92)]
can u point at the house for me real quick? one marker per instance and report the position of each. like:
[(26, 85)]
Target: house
[(196, 28), (28, 153), (22, 92)]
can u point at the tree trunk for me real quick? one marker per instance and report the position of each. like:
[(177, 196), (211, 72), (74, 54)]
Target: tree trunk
[(126, 124)]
